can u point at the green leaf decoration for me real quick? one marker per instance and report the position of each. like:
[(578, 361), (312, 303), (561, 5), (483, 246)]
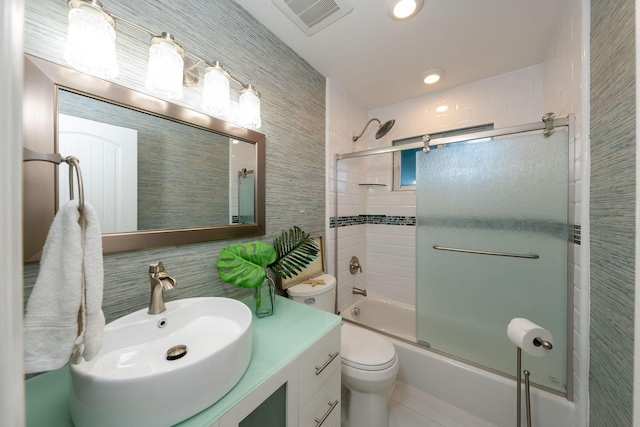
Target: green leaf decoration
[(244, 264), (295, 249)]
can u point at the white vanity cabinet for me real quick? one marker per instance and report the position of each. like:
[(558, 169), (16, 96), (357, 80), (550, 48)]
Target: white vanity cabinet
[(293, 378), (319, 381), (312, 389)]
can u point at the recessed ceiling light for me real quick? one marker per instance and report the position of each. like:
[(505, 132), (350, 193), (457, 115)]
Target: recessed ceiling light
[(404, 9), (432, 76)]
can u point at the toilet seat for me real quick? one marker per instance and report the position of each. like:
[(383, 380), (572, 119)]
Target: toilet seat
[(365, 350)]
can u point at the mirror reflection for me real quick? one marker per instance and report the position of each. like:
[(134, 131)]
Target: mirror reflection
[(160, 174), (143, 172)]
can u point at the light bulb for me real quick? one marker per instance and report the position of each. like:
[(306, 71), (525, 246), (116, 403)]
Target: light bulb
[(164, 75), (404, 8), (250, 108), (216, 94), (432, 76), (91, 43), (401, 10)]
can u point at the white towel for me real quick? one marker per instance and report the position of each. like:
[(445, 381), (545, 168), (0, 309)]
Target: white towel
[(59, 317)]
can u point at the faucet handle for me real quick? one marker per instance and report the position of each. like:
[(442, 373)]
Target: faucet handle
[(155, 268), (354, 265)]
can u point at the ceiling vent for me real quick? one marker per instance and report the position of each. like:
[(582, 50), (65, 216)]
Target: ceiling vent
[(312, 16)]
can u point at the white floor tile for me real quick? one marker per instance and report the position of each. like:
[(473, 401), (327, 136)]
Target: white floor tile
[(434, 409), (390, 389), (401, 416)]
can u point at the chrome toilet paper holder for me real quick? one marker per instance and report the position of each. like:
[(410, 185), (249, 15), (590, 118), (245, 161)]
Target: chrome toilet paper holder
[(538, 342)]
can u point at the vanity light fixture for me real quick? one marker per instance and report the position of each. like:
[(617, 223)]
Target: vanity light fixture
[(164, 75), (91, 40), (250, 107), (216, 93), (432, 76), (91, 49), (401, 10)]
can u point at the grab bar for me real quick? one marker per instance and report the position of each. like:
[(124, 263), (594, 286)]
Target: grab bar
[(472, 251)]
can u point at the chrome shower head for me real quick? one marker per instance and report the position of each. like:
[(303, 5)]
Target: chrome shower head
[(383, 129)]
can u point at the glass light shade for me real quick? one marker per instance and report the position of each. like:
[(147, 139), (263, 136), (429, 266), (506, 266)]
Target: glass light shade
[(91, 43), (216, 94), (164, 75), (250, 109)]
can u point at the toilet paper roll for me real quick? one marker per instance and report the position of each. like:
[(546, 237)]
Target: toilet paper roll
[(522, 332)]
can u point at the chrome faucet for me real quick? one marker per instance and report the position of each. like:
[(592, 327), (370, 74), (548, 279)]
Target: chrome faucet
[(358, 291), (160, 281)]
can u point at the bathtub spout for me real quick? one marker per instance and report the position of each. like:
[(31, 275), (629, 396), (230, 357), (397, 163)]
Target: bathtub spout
[(358, 291)]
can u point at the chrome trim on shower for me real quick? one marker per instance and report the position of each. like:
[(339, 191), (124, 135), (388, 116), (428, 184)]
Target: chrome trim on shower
[(433, 142), (571, 261), (473, 251), (549, 129)]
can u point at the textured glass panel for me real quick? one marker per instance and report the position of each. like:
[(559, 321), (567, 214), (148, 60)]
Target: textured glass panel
[(246, 195), (508, 195)]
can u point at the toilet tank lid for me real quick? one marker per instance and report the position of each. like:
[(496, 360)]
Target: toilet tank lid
[(307, 290)]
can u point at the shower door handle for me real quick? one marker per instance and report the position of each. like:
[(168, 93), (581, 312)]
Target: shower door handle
[(473, 251)]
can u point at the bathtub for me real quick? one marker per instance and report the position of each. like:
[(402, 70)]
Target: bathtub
[(385, 315), (481, 393)]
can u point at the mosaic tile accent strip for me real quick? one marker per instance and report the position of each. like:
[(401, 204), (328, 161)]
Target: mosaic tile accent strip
[(612, 212), (346, 221), (576, 233), (558, 230)]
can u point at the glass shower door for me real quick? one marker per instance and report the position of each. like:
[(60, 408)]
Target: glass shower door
[(246, 195), (509, 195)]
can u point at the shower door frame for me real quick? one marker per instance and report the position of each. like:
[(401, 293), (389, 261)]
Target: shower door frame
[(569, 122)]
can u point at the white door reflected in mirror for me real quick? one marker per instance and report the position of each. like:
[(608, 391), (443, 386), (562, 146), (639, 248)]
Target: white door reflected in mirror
[(109, 164)]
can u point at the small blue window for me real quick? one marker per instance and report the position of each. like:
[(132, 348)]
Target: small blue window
[(408, 167), (404, 162)]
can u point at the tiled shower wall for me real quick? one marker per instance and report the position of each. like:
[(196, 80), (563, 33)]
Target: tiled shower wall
[(565, 70), (293, 120), (344, 115)]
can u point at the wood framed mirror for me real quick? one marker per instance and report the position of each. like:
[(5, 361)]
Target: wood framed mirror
[(187, 178)]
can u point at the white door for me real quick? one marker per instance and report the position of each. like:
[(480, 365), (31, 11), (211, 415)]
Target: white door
[(108, 157)]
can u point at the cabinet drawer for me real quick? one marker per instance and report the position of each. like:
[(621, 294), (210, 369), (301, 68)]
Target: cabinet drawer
[(324, 405), (318, 363)]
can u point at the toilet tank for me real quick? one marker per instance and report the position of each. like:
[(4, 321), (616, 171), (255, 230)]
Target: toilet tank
[(319, 296)]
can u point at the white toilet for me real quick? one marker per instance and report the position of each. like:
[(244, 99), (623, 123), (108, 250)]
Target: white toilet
[(369, 361)]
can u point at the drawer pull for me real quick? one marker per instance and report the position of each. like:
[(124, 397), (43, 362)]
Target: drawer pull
[(319, 369), (320, 421)]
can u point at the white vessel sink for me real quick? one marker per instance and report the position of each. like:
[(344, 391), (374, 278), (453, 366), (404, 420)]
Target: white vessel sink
[(132, 384)]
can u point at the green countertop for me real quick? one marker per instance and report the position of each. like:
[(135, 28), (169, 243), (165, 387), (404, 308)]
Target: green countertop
[(277, 340)]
